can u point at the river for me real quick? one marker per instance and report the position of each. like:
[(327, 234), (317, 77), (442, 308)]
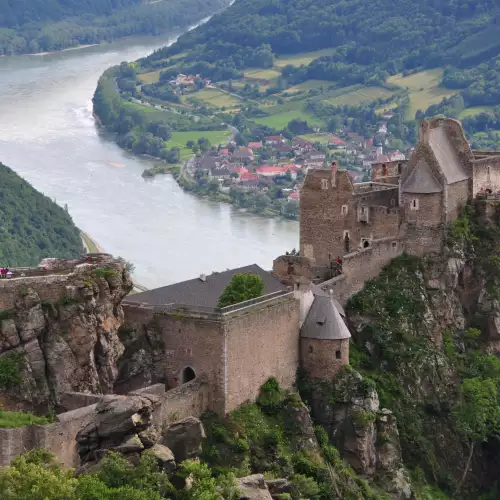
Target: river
[(49, 137)]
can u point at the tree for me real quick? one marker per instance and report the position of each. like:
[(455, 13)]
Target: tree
[(478, 415), (36, 476), (241, 287)]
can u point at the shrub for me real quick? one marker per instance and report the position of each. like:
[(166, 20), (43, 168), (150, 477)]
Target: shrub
[(5, 314), (270, 397), (304, 487), (11, 369), (104, 272)]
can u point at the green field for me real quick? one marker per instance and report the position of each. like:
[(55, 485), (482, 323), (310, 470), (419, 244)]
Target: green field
[(262, 74), (309, 85), (321, 138), (423, 88), (213, 97), (179, 139), (360, 96), (302, 58), (473, 111), (280, 120), (151, 77)]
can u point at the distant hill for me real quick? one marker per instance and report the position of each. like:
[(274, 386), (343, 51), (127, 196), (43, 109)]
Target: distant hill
[(29, 26), (370, 40), (31, 225)]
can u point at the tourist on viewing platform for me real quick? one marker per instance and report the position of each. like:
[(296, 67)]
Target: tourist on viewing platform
[(9, 274), (3, 272)]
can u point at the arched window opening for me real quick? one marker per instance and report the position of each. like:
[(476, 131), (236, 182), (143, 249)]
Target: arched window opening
[(311, 349), (366, 244), (188, 374)]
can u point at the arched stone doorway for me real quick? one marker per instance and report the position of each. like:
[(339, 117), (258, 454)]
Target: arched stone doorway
[(187, 375)]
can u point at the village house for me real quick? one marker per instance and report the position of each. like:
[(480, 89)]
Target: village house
[(242, 155), (275, 139), (270, 170), (301, 146), (220, 173), (255, 146), (337, 142)]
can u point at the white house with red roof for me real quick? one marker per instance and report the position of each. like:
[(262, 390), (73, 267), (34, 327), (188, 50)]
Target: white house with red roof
[(270, 170), (337, 142), (255, 145), (275, 139)]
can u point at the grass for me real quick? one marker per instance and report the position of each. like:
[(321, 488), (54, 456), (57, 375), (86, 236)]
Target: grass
[(213, 97), (151, 77), (360, 96), (321, 138), (424, 89), (475, 110), (262, 74), (280, 120), (179, 139), (13, 419), (309, 85), (303, 58)]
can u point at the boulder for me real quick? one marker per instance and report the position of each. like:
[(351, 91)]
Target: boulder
[(253, 488), (184, 438), (298, 411), (164, 457), (131, 445), (150, 436), (116, 420), (278, 486)]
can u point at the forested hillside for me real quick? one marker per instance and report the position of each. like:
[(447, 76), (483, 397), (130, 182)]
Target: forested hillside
[(371, 39), (31, 225), (29, 26)]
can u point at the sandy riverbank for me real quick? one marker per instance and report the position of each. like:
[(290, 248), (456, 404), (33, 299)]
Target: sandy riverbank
[(62, 50)]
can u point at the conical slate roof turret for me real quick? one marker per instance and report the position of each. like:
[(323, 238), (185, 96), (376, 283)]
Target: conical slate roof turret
[(324, 321)]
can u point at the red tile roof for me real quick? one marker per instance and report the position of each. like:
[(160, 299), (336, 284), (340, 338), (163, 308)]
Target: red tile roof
[(255, 145), (291, 166), (270, 169), (247, 176), (337, 141), (295, 195), (239, 170)]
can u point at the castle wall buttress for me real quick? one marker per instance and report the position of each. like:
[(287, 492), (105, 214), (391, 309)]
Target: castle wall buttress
[(457, 197)]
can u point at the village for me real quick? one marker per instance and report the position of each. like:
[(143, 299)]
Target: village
[(276, 166)]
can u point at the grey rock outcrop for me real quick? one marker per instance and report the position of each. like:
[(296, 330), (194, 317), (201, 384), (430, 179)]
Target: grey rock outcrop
[(253, 488), (66, 328), (278, 486), (164, 457), (184, 438), (116, 426)]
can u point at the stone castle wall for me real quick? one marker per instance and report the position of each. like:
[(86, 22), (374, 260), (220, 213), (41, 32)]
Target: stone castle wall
[(261, 344), (486, 174), (196, 343), (362, 265)]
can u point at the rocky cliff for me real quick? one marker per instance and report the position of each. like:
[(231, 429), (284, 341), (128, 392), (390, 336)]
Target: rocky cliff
[(59, 332), (420, 401)]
